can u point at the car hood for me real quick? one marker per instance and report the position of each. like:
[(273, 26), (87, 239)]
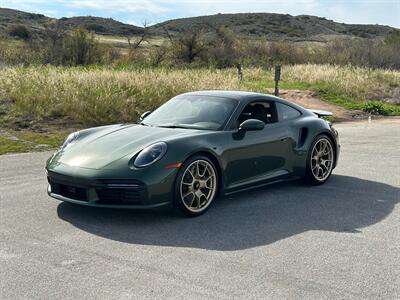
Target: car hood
[(98, 148)]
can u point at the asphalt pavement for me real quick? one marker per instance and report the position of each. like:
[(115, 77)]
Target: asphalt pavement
[(284, 241)]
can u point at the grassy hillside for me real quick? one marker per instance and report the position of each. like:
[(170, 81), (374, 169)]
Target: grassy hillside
[(276, 26), (56, 77), (272, 26), (36, 23), (100, 25), (10, 17), (39, 105), (94, 96)]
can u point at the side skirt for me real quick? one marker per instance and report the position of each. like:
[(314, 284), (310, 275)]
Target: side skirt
[(255, 186)]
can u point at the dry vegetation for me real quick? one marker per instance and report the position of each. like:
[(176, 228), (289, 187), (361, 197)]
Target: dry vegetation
[(92, 96), (99, 95), (355, 83), (220, 48), (64, 77)]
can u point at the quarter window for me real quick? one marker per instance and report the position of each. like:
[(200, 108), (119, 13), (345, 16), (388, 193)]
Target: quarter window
[(286, 112), (259, 110)]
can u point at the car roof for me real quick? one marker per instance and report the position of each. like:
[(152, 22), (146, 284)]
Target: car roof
[(237, 95), (243, 96)]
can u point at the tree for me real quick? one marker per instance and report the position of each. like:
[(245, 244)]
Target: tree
[(134, 43), (188, 45), (223, 47), (19, 31), (54, 37), (81, 48), (393, 38), (158, 54)]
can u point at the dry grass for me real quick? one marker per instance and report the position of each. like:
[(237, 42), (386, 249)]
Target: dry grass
[(104, 95), (98, 96), (358, 83)]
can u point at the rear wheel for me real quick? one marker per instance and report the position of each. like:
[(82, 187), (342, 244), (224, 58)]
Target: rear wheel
[(320, 161), (196, 186)]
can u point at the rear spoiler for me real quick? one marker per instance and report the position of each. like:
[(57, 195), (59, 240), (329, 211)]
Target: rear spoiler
[(321, 113)]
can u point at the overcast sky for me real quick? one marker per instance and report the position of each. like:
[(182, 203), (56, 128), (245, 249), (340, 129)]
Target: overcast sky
[(386, 12)]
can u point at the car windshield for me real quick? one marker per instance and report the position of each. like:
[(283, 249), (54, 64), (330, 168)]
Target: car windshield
[(197, 112)]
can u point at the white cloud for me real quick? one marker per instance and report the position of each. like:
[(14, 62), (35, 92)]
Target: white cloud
[(131, 6), (113, 6)]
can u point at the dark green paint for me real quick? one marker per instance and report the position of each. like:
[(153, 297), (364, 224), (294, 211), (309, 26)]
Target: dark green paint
[(245, 158)]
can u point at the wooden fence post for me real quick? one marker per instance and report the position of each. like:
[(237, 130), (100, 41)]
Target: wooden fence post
[(277, 78), (240, 71)]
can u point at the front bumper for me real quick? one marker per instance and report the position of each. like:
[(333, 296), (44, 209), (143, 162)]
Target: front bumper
[(99, 204), (115, 193)]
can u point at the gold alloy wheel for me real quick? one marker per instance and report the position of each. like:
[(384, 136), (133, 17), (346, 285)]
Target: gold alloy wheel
[(322, 159), (198, 186)]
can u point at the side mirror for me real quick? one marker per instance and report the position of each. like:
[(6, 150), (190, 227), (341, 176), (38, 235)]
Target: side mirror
[(144, 115), (252, 124)]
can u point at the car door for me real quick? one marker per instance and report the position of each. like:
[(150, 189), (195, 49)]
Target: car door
[(258, 155)]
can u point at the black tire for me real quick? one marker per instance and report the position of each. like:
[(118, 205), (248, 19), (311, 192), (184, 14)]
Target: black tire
[(310, 177), (179, 203)]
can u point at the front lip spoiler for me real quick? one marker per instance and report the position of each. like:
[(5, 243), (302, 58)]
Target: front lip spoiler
[(94, 204)]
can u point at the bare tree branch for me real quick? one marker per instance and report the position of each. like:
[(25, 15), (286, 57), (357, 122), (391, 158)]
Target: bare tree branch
[(134, 44)]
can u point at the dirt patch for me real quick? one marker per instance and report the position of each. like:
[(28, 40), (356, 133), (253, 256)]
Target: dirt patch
[(310, 99), (8, 135), (45, 125)]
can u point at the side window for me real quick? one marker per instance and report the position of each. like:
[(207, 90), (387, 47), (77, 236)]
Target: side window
[(261, 110), (286, 112)]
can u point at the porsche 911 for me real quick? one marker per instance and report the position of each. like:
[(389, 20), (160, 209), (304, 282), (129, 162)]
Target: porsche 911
[(192, 149)]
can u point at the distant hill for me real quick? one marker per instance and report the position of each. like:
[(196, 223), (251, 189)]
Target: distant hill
[(101, 25), (275, 26), (267, 25), (36, 23)]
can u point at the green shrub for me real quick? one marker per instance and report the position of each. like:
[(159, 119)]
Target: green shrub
[(81, 48), (19, 31), (375, 108), (221, 51)]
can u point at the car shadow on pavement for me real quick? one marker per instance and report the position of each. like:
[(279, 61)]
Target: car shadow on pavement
[(249, 219)]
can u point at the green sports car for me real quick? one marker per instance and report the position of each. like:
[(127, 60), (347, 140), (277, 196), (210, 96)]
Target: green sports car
[(193, 148)]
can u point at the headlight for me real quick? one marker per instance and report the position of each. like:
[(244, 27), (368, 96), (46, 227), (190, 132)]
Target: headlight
[(69, 139), (150, 154)]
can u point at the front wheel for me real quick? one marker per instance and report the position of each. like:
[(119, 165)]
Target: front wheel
[(320, 160), (196, 186)]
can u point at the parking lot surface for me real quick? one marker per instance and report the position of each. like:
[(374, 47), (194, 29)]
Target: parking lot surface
[(284, 241)]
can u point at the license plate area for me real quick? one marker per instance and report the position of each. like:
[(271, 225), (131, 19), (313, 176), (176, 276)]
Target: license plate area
[(73, 192)]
